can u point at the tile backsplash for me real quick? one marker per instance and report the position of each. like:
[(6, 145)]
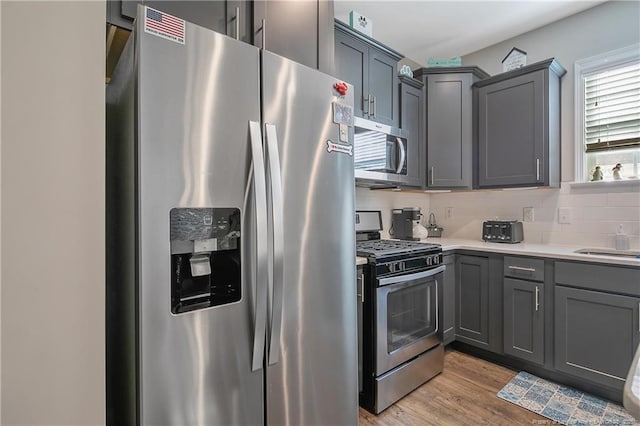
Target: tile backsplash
[(385, 201), (595, 213)]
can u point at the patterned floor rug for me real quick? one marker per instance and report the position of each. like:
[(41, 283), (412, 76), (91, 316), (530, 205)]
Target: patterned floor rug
[(562, 404)]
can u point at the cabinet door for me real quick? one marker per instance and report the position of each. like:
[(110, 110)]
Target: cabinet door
[(449, 131), (299, 30), (352, 66), (596, 334), (208, 14), (239, 22), (411, 120), (524, 320), (383, 87), (472, 300), (511, 132), (447, 313)]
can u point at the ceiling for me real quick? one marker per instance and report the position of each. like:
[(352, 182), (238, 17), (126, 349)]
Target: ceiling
[(445, 29)]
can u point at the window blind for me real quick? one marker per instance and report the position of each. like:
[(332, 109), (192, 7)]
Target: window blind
[(612, 109)]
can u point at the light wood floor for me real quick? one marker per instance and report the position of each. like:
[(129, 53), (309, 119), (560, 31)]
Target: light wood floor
[(463, 394)]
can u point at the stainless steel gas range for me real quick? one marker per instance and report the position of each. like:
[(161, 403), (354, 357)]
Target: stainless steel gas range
[(400, 342)]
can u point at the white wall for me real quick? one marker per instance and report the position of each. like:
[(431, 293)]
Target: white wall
[(52, 216)]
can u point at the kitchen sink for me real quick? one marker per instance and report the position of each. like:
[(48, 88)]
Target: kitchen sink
[(607, 252)]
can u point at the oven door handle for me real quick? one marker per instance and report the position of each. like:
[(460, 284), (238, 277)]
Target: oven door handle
[(410, 277)]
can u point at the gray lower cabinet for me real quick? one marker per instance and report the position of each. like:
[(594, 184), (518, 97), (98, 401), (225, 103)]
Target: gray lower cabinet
[(596, 334), (524, 319), (472, 300), (524, 308), (519, 127), (446, 300), (411, 118), (449, 125), (372, 69)]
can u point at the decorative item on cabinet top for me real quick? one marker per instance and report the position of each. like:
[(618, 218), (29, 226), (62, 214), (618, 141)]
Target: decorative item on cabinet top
[(515, 59)]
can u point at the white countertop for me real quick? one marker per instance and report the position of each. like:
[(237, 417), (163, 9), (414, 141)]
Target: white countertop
[(525, 249), (536, 250)]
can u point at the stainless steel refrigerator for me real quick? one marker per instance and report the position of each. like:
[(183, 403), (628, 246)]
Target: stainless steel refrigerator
[(231, 296)]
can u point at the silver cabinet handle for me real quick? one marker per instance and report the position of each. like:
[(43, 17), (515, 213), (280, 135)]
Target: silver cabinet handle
[(537, 298), (237, 19), (277, 243), (366, 102), (432, 174), (375, 108), (537, 169), (264, 34), (261, 265), (403, 155), (520, 268)]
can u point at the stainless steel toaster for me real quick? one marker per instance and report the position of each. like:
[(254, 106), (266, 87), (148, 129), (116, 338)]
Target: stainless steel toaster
[(502, 231)]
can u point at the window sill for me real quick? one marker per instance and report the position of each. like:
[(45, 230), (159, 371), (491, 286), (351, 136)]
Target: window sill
[(607, 184)]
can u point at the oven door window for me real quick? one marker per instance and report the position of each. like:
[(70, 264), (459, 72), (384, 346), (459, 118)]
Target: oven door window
[(411, 315)]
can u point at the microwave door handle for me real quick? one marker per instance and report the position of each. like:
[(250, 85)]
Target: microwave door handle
[(403, 155), (276, 245), (259, 263)]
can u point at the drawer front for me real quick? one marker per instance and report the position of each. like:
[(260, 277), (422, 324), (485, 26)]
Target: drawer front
[(524, 268), (613, 279)]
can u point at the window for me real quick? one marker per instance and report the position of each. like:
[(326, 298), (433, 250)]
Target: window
[(608, 115)]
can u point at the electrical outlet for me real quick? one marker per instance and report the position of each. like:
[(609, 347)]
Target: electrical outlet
[(564, 215), (527, 214), (449, 213)]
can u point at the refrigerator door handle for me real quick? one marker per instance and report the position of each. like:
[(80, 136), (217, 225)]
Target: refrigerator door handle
[(277, 244), (260, 262)]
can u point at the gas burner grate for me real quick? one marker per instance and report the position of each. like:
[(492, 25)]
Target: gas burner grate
[(386, 247)]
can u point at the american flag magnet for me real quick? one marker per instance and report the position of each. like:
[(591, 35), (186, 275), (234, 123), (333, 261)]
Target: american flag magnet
[(164, 25)]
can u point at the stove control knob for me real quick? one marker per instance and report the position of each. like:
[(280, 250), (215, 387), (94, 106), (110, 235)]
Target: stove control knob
[(429, 261), (436, 260)]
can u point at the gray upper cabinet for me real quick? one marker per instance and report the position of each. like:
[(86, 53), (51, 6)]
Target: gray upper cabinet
[(226, 17), (519, 127), (449, 125), (301, 31), (411, 117), (373, 71)]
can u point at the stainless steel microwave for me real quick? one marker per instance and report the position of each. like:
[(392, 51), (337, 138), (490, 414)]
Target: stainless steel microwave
[(379, 153)]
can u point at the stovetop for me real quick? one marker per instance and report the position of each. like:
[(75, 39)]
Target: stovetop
[(379, 248)]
